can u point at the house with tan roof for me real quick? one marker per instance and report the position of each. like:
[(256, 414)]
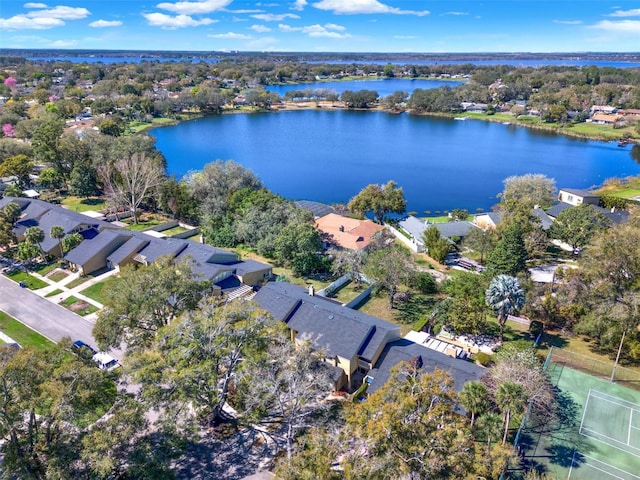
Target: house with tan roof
[(344, 232)]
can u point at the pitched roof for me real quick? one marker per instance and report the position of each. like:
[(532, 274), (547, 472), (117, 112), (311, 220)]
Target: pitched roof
[(158, 247), (87, 249), (454, 229), (348, 232), (338, 330), (405, 350), (316, 208), (414, 226), (544, 218), (557, 209), (495, 217), (580, 193), (248, 266), (131, 246)]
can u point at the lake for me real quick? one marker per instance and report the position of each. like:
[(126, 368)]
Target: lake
[(329, 156), (384, 86)]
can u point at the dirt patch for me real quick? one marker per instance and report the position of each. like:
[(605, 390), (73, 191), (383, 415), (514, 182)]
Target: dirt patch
[(79, 306)]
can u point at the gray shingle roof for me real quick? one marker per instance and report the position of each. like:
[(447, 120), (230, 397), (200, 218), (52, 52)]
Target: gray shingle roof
[(88, 248), (133, 245), (557, 209), (403, 350), (545, 220), (580, 193), (247, 266), (414, 226), (158, 247), (454, 229), (339, 330)]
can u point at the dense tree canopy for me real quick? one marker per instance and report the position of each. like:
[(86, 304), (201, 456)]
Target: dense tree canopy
[(379, 200)]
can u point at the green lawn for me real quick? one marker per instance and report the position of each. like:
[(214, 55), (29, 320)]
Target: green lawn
[(78, 306), (77, 281), (44, 268), (144, 223), (21, 333), (58, 276), (136, 127), (32, 282), (95, 291), (53, 293), (78, 204), (174, 231)]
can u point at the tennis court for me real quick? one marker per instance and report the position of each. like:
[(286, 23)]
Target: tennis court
[(597, 435)]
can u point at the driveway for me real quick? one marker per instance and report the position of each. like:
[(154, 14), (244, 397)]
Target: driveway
[(45, 317)]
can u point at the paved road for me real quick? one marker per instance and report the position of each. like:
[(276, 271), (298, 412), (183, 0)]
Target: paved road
[(45, 317)]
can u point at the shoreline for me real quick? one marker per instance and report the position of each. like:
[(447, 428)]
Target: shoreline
[(325, 105)]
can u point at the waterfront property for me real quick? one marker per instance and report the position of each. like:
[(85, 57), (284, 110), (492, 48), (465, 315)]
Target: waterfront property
[(345, 232)]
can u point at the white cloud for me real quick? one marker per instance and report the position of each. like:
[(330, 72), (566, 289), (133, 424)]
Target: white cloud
[(105, 23), (193, 8), (63, 43), (61, 12), (271, 17), (168, 22), (635, 12), (260, 28), (351, 7), (623, 26), (262, 43), (245, 11), (35, 5), (568, 22), (231, 35), (405, 37), (456, 14), (20, 22), (299, 5), (328, 30)]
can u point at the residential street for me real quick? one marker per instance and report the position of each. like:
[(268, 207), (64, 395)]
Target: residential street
[(47, 318)]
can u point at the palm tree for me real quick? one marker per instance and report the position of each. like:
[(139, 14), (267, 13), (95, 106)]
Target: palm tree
[(490, 424), (510, 397), (34, 236), (58, 233), (506, 297), (11, 212), (474, 398)]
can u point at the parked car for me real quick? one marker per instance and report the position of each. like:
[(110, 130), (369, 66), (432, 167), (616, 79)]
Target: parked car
[(105, 361), (79, 345)]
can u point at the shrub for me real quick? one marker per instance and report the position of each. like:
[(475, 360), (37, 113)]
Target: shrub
[(483, 359), (425, 283), (536, 327)]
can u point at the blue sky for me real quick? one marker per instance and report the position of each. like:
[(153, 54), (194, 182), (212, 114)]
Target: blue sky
[(324, 25)]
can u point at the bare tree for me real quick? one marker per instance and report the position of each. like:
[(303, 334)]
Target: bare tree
[(131, 180)]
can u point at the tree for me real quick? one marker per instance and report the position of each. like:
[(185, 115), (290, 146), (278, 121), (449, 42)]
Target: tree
[(20, 166), (71, 241), (293, 384), (577, 225), (203, 360), (46, 143), (169, 290), (8, 217), (48, 398), (380, 200), (348, 262), (482, 241), (410, 428), (34, 236), (51, 178), (509, 256), (83, 181), (131, 180), (523, 193), (459, 214), (474, 397), (505, 297), (465, 309), (389, 267), (213, 187), (298, 246), (510, 398), (27, 251), (58, 233), (359, 98)]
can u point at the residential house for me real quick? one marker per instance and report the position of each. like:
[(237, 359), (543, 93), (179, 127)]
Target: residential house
[(428, 360), (37, 213), (316, 208), (360, 347), (350, 340), (616, 216), (344, 232), (605, 118), (487, 220), (452, 231), (606, 109), (574, 196)]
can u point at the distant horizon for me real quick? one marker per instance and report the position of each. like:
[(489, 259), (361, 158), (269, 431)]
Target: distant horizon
[(339, 26)]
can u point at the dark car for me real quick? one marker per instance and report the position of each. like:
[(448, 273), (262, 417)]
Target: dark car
[(79, 345)]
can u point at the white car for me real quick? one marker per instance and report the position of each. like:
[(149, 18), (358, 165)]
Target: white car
[(105, 361)]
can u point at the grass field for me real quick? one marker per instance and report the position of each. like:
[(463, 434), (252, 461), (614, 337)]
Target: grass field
[(596, 434), (174, 231), (44, 268), (95, 291), (21, 333), (58, 276), (30, 281), (625, 188), (79, 204), (53, 293)]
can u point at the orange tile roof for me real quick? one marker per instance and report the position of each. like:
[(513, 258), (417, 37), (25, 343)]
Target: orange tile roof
[(354, 234)]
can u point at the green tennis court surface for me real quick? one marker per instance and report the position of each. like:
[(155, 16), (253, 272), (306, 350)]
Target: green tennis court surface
[(597, 434)]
